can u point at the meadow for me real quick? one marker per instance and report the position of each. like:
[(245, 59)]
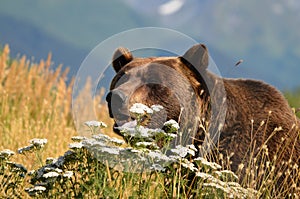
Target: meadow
[(42, 156)]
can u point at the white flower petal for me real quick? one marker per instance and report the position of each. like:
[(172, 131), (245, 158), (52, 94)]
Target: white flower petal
[(76, 145), (172, 123), (157, 107), (38, 142), (139, 108), (6, 153), (94, 123), (68, 174), (51, 174)]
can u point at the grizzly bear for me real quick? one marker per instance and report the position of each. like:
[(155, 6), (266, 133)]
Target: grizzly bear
[(246, 116)]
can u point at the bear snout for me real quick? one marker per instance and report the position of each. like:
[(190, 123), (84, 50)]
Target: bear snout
[(117, 101)]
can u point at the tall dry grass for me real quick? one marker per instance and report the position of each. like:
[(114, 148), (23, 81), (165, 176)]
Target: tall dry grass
[(35, 102)]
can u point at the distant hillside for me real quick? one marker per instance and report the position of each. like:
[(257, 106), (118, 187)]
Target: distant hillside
[(69, 29), (265, 34), (83, 24), (26, 39)]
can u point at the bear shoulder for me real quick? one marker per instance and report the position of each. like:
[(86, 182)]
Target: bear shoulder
[(255, 99)]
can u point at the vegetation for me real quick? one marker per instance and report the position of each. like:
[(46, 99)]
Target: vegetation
[(294, 99), (35, 106), (34, 102)]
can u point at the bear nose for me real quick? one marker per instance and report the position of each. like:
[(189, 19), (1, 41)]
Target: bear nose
[(117, 105)]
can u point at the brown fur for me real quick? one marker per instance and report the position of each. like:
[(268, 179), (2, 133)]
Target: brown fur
[(249, 102)]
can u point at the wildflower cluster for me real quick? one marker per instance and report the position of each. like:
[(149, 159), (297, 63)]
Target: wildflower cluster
[(57, 177), (213, 181), (95, 126), (11, 175), (139, 136), (147, 152), (35, 144), (94, 166)]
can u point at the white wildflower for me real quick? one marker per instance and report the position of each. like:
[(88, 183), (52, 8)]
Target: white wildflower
[(157, 132), (93, 143), (189, 165), (211, 165), (78, 138), (217, 186), (175, 158), (53, 169), (39, 188), (130, 124), (204, 176), (140, 109), (6, 153), (111, 150), (157, 107), (51, 174), (50, 160), (30, 173), (127, 131), (117, 141), (68, 174), (26, 149), (17, 167), (230, 173), (34, 190), (38, 142), (172, 135), (76, 145), (58, 170), (143, 132), (157, 155), (233, 184), (139, 131), (191, 152), (182, 151), (135, 151), (94, 123), (172, 123), (101, 137), (157, 167), (143, 143), (192, 147)]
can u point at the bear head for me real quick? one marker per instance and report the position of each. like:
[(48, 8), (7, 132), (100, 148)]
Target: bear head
[(176, 83)]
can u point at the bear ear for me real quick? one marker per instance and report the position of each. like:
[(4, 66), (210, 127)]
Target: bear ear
[(121, 57), (197, 56)]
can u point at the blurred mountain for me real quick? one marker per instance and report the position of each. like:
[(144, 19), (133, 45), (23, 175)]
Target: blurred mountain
[(27, 39), (264, 33), (69, 29)]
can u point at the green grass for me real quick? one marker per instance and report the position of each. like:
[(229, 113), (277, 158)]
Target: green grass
[(294, 99)]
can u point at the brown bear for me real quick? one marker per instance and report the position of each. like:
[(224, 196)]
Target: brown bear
[(247, 116)]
